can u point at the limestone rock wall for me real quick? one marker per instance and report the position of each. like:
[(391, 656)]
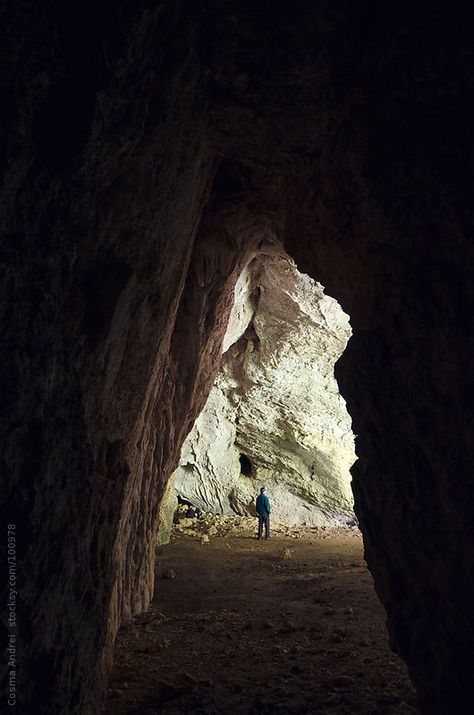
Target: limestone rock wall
[(275, 405)]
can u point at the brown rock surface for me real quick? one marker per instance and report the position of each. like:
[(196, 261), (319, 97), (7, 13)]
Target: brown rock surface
[(147, 150)]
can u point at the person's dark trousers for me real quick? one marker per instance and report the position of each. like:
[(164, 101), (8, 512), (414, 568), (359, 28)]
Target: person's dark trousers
[(264, 519)]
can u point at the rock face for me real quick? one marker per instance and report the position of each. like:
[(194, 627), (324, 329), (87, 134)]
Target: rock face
[(275, 415), (148, 151)]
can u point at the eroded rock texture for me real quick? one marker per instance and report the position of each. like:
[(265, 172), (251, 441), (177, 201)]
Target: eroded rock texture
[(148, 151), (274, 415)]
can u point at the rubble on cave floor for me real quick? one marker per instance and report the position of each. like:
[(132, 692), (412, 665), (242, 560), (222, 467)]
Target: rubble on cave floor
[(219, 525)]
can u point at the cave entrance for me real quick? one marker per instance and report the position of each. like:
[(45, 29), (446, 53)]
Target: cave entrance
[(274, 416), (287, 619)]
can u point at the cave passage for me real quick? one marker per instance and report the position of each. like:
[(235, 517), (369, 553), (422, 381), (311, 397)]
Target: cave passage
[(291, 625)]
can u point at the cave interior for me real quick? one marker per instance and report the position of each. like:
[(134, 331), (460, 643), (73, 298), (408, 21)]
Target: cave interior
[(150, 150)]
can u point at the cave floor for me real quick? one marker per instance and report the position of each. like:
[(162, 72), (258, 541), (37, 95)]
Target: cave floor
[(241, 628)]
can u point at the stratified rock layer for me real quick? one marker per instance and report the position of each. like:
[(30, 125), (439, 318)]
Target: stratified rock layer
[(275, 415)]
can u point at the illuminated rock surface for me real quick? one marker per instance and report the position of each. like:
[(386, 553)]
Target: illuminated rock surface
[(275, 415)]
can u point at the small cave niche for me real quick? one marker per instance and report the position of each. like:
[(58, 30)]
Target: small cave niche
[(245, 465), (250, 339)]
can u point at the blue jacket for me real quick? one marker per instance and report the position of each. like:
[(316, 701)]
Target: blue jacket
[(263, 505)]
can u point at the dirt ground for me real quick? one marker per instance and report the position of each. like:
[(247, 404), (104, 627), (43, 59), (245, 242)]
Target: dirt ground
[(289, 625)]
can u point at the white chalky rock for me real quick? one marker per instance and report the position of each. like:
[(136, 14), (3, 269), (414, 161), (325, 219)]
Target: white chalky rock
[(275, 401)]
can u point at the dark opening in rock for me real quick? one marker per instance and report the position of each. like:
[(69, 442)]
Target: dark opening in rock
[(245, 465)]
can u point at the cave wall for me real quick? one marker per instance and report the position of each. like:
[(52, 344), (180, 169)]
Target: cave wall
[(391, 199), (147, 150), (105, 176)]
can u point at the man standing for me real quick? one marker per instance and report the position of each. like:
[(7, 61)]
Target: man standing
[(263, 511)]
